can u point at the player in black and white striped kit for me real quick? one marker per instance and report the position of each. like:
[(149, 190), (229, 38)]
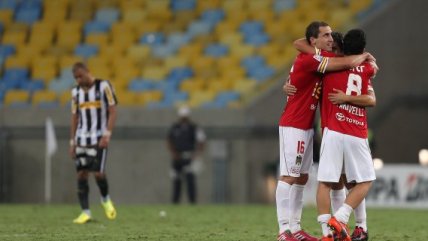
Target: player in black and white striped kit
[(93, 110)]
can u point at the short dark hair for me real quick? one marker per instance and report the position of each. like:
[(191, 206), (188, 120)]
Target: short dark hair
[(338, 39), (79, 65), (313, 29), (354, 42)]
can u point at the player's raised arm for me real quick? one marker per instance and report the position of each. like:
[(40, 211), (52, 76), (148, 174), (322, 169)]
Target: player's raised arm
[(347, 62), (303, 46)]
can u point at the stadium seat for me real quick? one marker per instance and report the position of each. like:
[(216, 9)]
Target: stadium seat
[(96, 27), (45, 99), (134, 15), (153, 38), (7, 50), (6, 16), (216, 50), (67, 61), (33, 85), (107, 15), (182, 5), (17, 98), (100, 39), (85, 50), (28, 15), (213, 16)]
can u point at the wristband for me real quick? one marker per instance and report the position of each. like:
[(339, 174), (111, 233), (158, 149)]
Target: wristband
[(107, 133)]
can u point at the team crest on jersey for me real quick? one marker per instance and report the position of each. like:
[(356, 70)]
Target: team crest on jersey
[(318, 58), (299, 160)]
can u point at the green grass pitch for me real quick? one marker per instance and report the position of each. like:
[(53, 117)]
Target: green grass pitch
[(187, 223)]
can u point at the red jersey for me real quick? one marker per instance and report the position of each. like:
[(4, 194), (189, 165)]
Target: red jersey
[(305, 75), (346, 118)]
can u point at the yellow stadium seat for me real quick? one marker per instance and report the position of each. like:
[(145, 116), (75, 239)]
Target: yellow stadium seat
[(176, 61), (149, 96), (17, 61), (224, 63), (360, 5), (233, 73), (185, 17), (206, 73), (67, 61), (259, 5), (198, 98), (125, 39), (16, 96), (202, 62), (42, 41), (242, 50), (204, 40), (131, 4), (139, 53), (232, 39), (6, 16), (14, 37), (52, 14), (219, 85), (17, 27), (126, 98), (45, 68), (112, 51), (98, 62), (233, 5), (244, 86), (97, 38), (226, 27), (106, 4), (192, 85), (146, 27), (102, 72), (206, 5), (190, 51), (65, 98), (124, 76), (157, 4), (340, 18), (267, 16), (236, 17), (154, 72), (134, 15), (29, 51), (44, 96), (278, 61), (161, 15)]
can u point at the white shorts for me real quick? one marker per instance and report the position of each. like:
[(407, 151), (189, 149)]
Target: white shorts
[(345, 152), (295, 151)]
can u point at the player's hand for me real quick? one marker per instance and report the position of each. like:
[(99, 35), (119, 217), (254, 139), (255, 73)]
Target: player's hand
[(370, 57), (337, 97), (104, 141), (72, 151), (289, 89)]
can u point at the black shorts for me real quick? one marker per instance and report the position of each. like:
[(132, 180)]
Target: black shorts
[(91, 159)]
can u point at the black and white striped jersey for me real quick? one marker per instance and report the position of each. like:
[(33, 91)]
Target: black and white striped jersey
[(91, 106)]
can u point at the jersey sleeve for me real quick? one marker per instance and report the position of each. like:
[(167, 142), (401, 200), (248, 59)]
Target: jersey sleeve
[(109, 94), (315, 63), (74, 105)]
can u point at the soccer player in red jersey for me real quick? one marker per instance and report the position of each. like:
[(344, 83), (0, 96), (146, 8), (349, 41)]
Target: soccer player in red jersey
[(295, 127), (344, 145), (338, 193)]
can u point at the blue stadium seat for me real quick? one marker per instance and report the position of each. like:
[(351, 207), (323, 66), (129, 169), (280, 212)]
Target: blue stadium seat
[(179, 74), (222, 99), (262, 73), (59, 85), (153, 38), (212, 16), (28, 15), (251, 27), (164, 50), (16, 73), (257, 39), (178, 39), (31, 4), (107, 15), (6, 50), (34, 85), (216, 50), (181, 5), (48, 105), (139, 85), (9, 4), (199, 28), (253, 62), (96, 27), (283, 5), (86, 50)]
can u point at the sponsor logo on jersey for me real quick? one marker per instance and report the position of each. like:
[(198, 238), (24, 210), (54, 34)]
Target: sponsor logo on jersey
[(340, 117), (354, 110)]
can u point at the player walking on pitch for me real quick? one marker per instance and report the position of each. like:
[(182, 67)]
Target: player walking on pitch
[(93, 110)]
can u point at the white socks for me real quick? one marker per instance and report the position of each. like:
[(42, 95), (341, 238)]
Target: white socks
[(323, 220), (87, 211), (337, 199), (361, 215), (283, 205), (296, 206), (342, 215)]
